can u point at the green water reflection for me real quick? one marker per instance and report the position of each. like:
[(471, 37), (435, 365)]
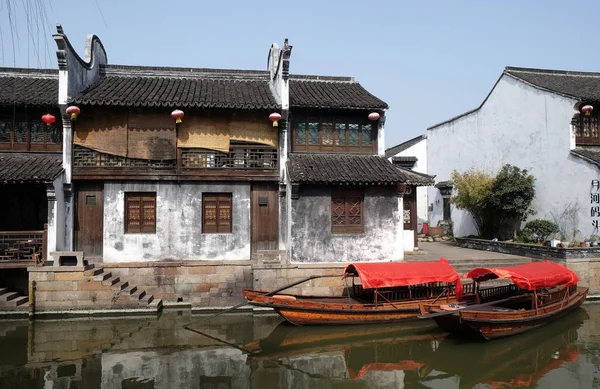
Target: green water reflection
[(242, 351)]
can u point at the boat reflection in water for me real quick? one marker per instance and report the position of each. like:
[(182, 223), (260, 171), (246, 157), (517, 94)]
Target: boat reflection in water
[(242, 351), (393, 357)]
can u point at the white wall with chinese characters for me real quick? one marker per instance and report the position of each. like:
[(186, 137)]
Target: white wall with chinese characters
[(527, 127)]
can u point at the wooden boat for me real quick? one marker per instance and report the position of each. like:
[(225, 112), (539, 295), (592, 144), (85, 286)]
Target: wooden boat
[(288, 340), (380, 292), (518, 361), (551, 292)]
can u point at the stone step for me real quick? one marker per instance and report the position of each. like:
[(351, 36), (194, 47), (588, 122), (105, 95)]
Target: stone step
[(130, 290), (111, 280), (121, 285), (147, 299), (139, 294), (3, 291), (21, 300), (156, 304), (9, 296), (102, 276)]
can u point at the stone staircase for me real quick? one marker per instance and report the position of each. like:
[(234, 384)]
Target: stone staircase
[(10, 301), (125, 292)]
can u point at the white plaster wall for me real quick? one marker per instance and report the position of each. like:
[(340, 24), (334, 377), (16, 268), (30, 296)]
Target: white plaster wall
[(178, 226), (408, 240), (178, 369), (526, 127), (418, 150)]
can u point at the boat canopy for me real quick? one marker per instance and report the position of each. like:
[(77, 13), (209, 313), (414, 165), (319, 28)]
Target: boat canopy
[(390, 274), (530, 276)]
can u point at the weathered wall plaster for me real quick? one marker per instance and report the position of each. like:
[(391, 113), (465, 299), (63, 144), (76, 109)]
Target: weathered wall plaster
[(312, 240), (179, 223)]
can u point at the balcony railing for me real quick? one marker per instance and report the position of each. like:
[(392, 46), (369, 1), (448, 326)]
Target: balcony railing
[(239, 157), (23, 248)]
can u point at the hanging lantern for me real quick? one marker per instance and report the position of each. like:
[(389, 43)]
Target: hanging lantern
[(587, 109), (374, 116), (48, 119), (275, 117), (73, 111), (177, 115)]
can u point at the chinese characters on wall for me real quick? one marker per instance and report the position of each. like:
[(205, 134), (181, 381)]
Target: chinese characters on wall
[(595, 204)]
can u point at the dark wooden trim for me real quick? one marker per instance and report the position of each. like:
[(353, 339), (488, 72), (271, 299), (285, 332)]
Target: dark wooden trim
[(168, 176)]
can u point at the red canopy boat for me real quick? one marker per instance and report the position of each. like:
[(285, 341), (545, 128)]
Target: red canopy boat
[(549, 291), (380, 292)]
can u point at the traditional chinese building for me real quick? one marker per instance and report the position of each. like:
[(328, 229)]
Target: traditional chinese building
[(545, 121)]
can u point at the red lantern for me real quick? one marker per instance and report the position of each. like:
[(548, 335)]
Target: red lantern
[(374, 116), (73, 111), (48, 119), (177, 115), (275, 117), (587, 109)]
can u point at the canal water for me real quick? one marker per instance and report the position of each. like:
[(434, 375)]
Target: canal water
[(245, 351)]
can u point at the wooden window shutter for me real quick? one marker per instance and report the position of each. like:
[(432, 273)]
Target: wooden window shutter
[(216, 213), (347, 212), (140, 213)]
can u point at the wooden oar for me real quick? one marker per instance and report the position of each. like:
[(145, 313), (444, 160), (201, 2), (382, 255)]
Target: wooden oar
[(247, 302), (431, 315)]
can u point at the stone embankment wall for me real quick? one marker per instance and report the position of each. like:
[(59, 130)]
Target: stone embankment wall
[(200, 283)]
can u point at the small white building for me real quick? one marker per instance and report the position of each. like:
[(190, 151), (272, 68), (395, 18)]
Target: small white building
[(533, 119), (412, 155)]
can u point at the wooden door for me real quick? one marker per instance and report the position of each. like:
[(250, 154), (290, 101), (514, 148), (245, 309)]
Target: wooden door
[(89, 220), (264, 210)]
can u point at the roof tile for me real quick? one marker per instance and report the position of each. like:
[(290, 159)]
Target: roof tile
[(349, 168), (28, 86), (29, 167), (332, 92)]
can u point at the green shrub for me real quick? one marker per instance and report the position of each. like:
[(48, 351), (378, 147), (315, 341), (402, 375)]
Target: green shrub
[(537, 231)]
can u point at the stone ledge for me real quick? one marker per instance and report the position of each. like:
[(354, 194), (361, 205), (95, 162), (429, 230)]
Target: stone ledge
[(53, 269), (529, 250), (109, 265)]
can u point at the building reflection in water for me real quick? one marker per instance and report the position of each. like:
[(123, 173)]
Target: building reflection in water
[(244, 352)]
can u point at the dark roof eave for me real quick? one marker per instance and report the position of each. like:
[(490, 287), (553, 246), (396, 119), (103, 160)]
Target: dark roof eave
[(169, 104)]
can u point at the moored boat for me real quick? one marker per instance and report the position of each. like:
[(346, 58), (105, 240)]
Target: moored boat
[(551, 292), (381, 292)]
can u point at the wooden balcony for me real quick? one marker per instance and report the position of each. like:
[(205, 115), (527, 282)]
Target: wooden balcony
[(240, 163), (22, 249)]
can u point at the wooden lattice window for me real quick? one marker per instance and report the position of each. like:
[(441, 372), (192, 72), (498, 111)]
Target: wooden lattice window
[(216, 213), (333, 134), (347, 212), (587, 130), (140, 213)]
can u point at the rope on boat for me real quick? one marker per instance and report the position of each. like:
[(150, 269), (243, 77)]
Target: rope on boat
[(187, 326)]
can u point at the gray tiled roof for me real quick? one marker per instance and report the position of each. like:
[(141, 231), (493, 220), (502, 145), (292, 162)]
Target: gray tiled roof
[(331, 92), (589, 154), (580, 85), (28, 86), (144, 86), (349, 169), (403, 146), (29, 167), (136, 86)]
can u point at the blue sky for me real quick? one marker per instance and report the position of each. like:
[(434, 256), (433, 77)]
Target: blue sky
[(429, 60)]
